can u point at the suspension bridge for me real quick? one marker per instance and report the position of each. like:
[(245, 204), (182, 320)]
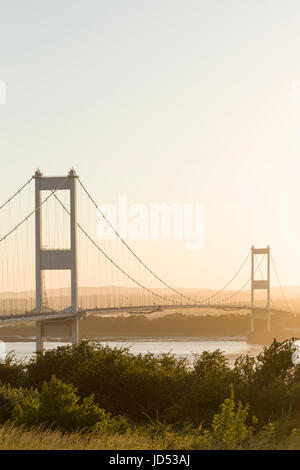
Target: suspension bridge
[(55, 271)]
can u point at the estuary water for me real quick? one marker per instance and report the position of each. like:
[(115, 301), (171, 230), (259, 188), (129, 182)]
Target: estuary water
[(181, 347)]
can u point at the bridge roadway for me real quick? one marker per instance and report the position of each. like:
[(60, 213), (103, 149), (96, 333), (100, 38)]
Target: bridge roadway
[(134, 310)]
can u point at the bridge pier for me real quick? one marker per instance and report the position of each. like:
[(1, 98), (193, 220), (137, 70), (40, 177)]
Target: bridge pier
[(252, 321), (39, 337), (257, 284), (65, 328), (75, 331), (268, 321)]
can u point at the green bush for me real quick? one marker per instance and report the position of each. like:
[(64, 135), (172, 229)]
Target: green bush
[(229, 427), (123, 383), (206, 386), (12, 371), (18, 405), (59, 407), (56, 406), (131, 385)]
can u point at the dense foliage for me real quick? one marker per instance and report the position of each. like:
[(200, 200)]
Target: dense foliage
[(95, 387)]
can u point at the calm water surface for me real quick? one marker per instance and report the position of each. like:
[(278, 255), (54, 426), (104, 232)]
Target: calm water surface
[(181, 347)]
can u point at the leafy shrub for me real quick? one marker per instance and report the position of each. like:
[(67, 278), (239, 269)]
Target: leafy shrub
[(123, 383), (134, 385), (18, 404), (206, 386), (229, 427), (59, 407), (56, 406), (12, 372)]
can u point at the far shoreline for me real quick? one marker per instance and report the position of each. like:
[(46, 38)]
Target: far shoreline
[(155, 338)]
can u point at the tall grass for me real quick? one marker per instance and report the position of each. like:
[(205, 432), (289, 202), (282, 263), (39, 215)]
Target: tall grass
[(20, 438)]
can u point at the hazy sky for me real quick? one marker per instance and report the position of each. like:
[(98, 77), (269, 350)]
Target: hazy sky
[(163, 101)]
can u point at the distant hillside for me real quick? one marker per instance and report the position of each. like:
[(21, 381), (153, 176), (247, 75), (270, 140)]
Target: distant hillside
[(289, 291), (171, 325)]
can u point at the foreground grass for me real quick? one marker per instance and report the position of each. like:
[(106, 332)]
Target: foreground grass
[(20, 438)]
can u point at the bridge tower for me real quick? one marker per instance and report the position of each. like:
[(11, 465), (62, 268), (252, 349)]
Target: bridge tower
[(56, 259), (257, 284)]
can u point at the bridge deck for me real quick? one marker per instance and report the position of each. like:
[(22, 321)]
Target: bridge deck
[(36, 316)]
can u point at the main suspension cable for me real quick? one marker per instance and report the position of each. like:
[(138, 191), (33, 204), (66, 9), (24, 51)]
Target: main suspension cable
[(244, 285), (16, 193), (232, 279), (111, 260), (281, 288), (30, 214), (130, 249)]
